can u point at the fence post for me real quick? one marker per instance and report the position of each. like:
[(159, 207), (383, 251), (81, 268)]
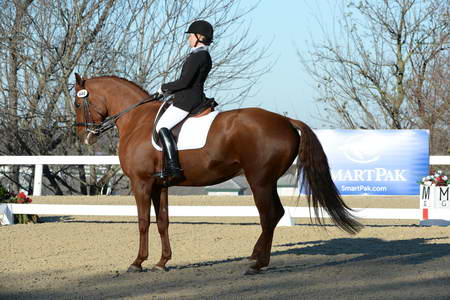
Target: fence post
[(37, 187), (286, 220), (6, 215)]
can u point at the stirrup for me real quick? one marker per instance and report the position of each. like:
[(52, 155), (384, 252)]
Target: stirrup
[(167, 178), (161, 174), (169, 174)]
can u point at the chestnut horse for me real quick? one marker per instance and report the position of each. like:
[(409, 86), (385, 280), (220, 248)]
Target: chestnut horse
[(257, 143)]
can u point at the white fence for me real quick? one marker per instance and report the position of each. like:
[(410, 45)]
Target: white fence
[(8, 210), (39, 161)]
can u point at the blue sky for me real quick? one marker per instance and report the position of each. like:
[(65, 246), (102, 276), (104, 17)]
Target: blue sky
[(287, 88)]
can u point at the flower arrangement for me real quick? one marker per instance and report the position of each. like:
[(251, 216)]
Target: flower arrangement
[(436, 179), (21, 198)]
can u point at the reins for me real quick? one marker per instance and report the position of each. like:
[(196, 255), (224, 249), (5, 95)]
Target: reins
[(99, 128)]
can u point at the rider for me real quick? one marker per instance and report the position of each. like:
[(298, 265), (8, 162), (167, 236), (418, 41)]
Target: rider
[(188, 93)]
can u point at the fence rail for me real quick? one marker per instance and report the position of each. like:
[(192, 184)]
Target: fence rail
[(39, 161), (8, 210)]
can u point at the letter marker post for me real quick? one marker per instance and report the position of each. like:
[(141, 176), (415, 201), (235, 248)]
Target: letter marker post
[(435, 205)]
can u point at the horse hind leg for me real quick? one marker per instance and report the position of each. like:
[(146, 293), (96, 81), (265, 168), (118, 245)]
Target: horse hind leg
[(270, 212)]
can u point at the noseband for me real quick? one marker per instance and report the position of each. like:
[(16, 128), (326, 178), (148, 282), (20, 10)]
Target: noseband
[(98, 128)]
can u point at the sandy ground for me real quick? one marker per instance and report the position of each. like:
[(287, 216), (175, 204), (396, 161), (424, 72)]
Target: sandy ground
[(87, 257)]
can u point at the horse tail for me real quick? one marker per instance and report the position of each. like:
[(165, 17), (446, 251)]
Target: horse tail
[(316, 181)]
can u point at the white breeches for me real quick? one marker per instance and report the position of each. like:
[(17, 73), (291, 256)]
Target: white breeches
[(171, 117)]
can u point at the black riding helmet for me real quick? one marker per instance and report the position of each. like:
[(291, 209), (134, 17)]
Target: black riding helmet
[(204, 28)]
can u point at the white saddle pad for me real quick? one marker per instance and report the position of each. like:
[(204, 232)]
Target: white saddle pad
[(193, 133)]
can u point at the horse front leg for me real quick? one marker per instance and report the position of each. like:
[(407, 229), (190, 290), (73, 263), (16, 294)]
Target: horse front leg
[(142, 191), (160, 202)]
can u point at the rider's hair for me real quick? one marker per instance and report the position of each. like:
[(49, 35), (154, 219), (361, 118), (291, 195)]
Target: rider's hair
[(201, 38)]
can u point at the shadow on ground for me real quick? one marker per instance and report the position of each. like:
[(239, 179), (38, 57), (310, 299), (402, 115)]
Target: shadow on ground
[(310, 265), (399, 252)]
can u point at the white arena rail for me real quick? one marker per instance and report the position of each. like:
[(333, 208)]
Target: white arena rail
[(8, 210), (39, 161)]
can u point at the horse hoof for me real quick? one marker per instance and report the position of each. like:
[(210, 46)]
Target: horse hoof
[(251, 271), (159, 269), (134, 269)]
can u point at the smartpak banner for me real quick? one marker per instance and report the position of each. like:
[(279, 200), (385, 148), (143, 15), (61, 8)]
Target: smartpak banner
[(376, 162)]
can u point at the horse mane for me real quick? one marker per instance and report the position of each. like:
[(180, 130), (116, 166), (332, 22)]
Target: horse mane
[(126, 80)]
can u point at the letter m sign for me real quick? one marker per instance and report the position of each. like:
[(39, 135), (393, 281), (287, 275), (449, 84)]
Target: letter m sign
[(426, 196)]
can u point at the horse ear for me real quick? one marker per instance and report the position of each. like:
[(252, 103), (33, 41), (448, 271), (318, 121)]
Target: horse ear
[(79, 80)]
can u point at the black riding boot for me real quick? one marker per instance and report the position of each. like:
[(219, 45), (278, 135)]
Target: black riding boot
[(171, 168)]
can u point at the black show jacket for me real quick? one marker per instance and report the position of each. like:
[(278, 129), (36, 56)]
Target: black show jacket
[(188, 89)]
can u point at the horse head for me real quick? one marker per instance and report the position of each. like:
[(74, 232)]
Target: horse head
[(90, 108)]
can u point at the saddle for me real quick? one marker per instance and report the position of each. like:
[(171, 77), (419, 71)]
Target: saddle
[(205, 108)]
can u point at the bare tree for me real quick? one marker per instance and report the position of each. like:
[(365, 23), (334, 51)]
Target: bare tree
[(379, 70), (41, 48), (44, 42), (152, 45), (428, 97)]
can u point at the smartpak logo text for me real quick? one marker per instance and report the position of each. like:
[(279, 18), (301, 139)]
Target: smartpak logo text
[(376, 174)]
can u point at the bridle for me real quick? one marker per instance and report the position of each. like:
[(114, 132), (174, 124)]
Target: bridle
[(97, 129)]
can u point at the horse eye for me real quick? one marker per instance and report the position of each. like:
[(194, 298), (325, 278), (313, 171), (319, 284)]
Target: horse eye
[(77, 105)]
